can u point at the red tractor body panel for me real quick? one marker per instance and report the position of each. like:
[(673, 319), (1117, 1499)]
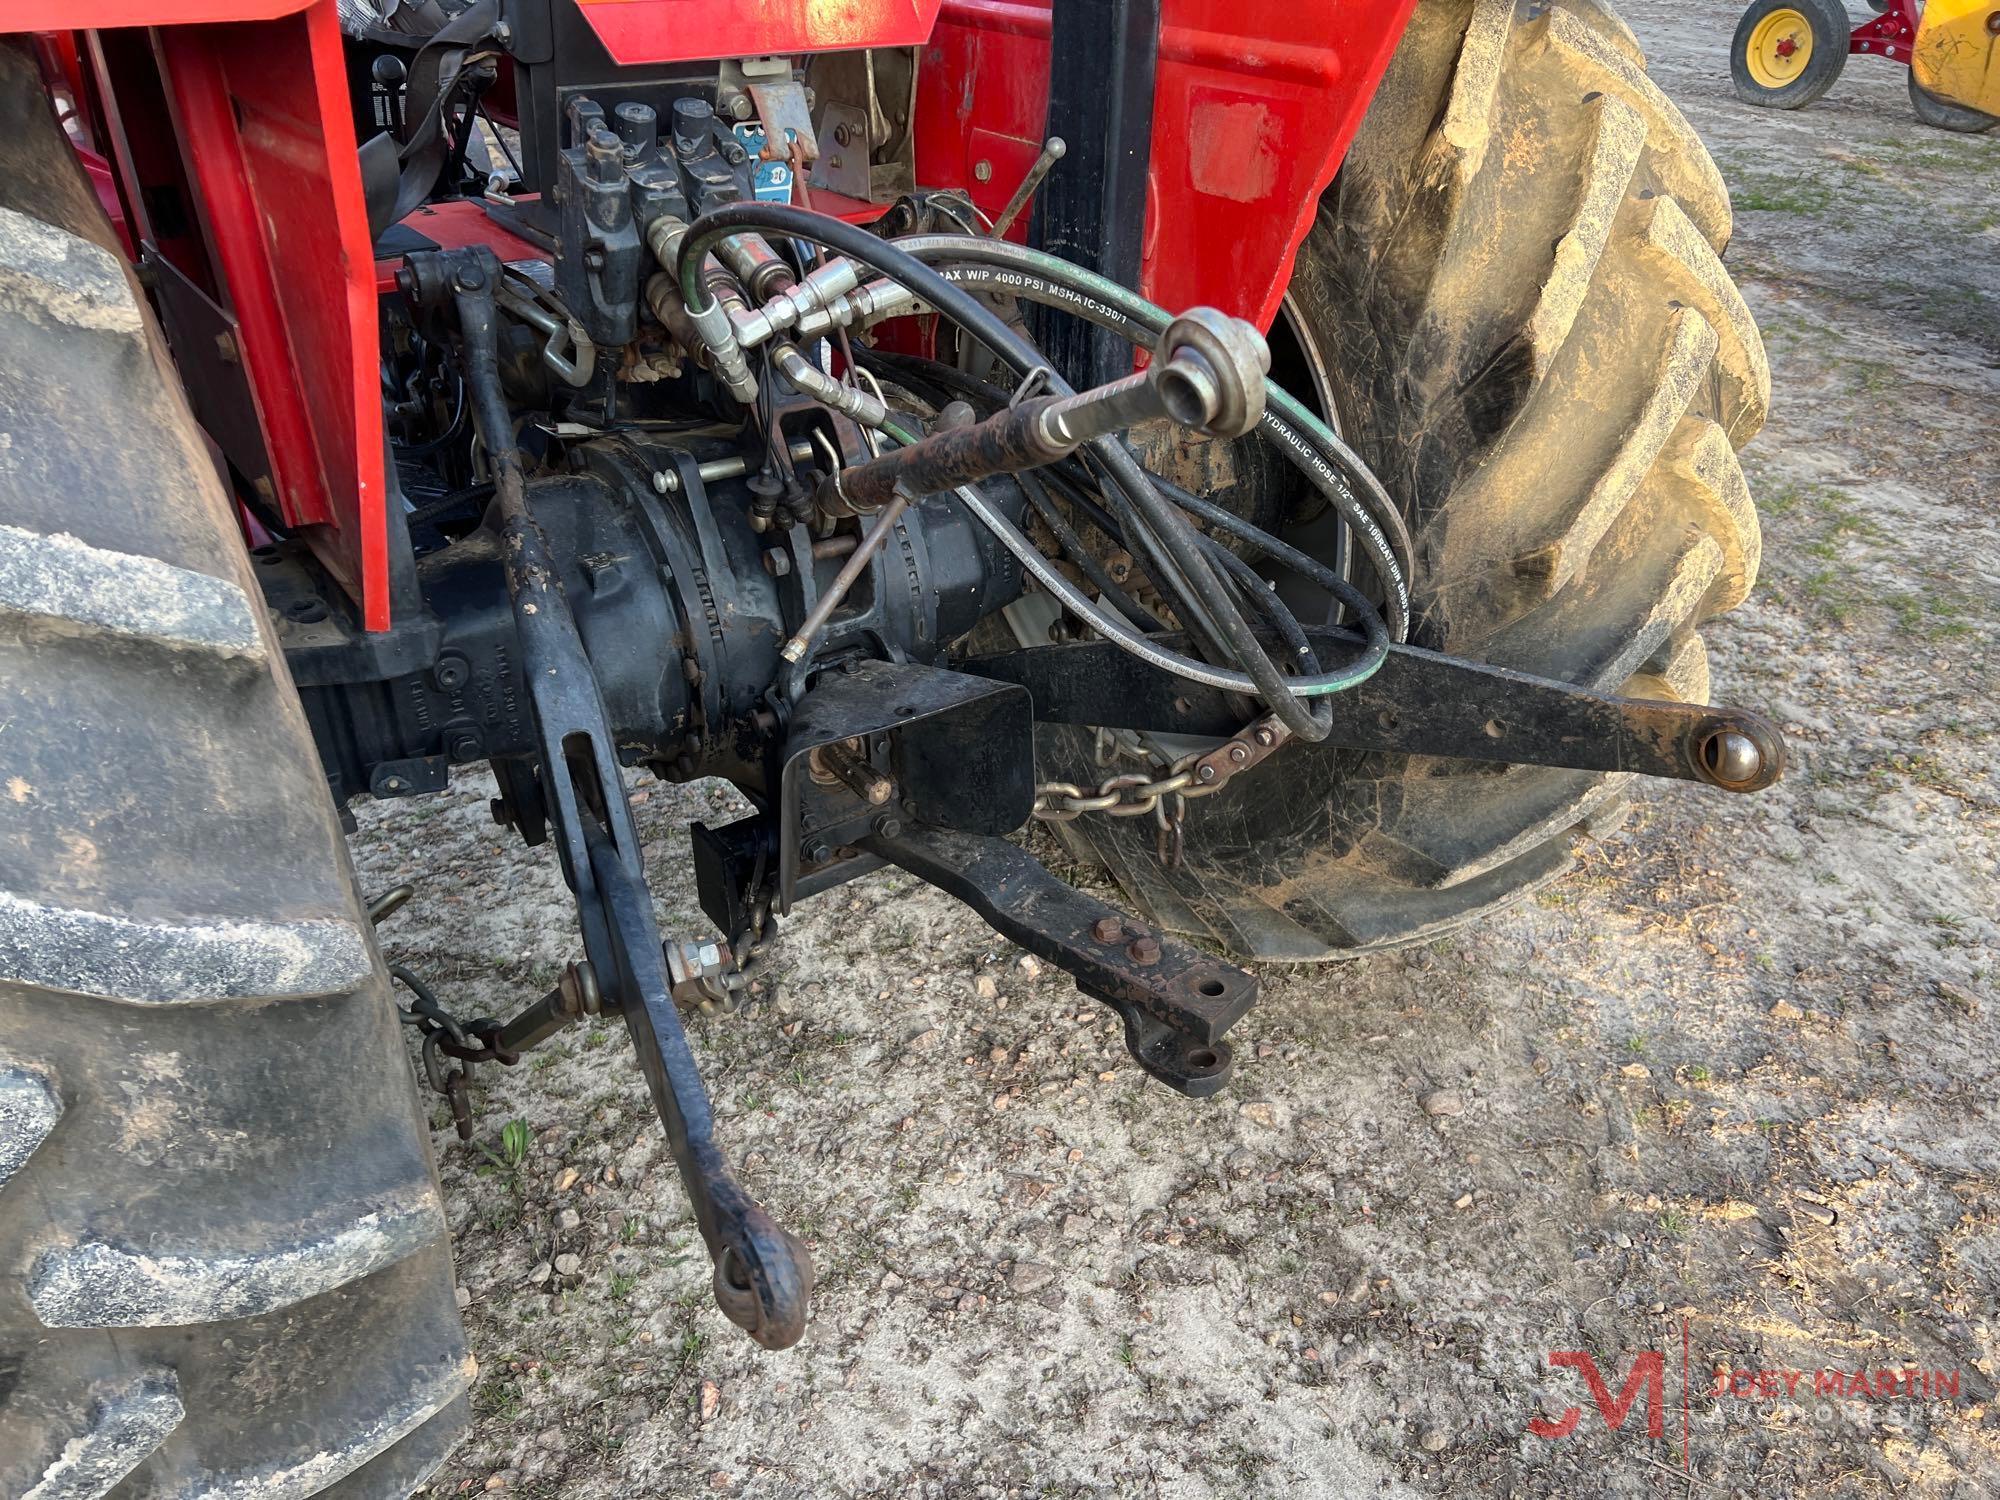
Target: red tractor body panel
[(1254, 104), (265, 126), (637, 32), (242, 106)]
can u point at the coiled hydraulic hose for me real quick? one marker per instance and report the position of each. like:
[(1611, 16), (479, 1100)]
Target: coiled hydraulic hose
[(1115, 630), (1005, 266), (1078, 487), (1147, 650), (1170, 527)]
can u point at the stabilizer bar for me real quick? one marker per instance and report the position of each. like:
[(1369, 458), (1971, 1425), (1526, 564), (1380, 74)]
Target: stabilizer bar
[(1420, 703)]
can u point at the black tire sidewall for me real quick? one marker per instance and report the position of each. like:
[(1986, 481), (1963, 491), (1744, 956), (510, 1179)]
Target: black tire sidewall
[(1830, 30), (1942, 114)]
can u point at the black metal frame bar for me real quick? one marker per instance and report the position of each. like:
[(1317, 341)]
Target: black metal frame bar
[(1103, 55)]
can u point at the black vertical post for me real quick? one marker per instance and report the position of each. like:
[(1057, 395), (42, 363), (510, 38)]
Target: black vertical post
[(1092, 209)]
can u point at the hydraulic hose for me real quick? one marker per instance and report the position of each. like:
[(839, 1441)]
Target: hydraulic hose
[(948, 381), (1151, 652), (1164, 520), (1313, 448), (1081, 605)]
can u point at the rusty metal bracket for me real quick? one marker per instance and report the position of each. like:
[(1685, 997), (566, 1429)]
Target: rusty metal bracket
[(1176, 1001), (957, 752)]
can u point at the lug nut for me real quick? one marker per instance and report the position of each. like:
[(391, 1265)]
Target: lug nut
[(1144, 950), (1108, 930)]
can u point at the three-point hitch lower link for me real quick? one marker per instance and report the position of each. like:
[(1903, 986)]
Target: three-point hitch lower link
[(763, 1277)]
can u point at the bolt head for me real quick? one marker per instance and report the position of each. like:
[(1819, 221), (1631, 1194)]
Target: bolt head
[(1239, 753), (1206, 773), (1108, 930), (1144, 950), (982, 171)]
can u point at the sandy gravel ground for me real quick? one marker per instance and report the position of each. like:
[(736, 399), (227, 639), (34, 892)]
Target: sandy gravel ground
[(1732, 1081)]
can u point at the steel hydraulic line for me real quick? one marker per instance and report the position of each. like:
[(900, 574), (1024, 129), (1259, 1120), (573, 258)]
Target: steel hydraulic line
[(1279, 693)]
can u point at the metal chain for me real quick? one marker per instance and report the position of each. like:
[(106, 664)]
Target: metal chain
[(1165, 791), (1126, 795), (444, 1035)]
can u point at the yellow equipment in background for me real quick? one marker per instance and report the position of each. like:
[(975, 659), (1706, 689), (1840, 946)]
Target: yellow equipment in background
[(1957, 53), (1787, 53)]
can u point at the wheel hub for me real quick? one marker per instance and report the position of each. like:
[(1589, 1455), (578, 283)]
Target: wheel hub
[(1780, 48)]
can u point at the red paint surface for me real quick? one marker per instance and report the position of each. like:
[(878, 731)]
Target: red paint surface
[(1254, 104), (450, 226), (98, 15), (1890, 35), (657, 31), (261, 110)]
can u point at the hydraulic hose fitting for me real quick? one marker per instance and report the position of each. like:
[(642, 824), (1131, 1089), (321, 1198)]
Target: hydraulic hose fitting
[(712, 324), (755, 264), (864, 305), (663, 238), (663, 296), (808, 379)]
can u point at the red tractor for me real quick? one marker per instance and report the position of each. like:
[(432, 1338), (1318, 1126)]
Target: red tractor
[(1292, 450)]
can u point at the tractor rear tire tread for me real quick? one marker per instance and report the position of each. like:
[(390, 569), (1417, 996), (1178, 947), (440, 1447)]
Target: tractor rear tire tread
[(226, 1263), (1535, 344)]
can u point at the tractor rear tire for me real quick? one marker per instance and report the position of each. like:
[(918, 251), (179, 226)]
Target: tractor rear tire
[(1515, 290), (224, 1262)]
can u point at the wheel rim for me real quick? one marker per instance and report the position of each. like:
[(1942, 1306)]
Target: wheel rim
[(1780, 47)]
